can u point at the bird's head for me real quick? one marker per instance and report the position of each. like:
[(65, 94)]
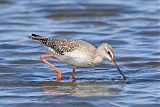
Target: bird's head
[(107, 52)]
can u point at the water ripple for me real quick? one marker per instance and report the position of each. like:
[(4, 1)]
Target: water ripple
[(131, 27)]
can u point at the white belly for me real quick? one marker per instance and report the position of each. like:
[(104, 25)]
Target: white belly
[(79, 60)]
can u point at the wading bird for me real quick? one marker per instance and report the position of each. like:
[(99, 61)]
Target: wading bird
[(76, 53)]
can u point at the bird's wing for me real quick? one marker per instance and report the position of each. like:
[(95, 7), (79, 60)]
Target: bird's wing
[(60, 46)]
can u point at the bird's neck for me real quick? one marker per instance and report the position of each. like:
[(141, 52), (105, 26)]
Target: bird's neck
[(98, 58), (100, 51)]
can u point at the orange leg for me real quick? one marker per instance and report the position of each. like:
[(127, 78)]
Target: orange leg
[(72, 75), (49, 64)]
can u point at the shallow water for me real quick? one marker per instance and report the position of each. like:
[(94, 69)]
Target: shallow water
[(131, 27)]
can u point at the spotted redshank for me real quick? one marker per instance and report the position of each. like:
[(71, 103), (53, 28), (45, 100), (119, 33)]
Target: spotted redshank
[(76, 53)]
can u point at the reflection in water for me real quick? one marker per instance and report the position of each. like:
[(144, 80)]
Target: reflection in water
[(79, 89)]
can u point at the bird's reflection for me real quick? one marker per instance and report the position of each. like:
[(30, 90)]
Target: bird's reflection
[(80, 88)]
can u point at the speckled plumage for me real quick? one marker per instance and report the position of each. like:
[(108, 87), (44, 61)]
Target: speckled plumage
[(60, 46)]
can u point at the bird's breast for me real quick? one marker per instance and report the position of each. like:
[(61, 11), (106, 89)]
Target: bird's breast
[(80, 59)]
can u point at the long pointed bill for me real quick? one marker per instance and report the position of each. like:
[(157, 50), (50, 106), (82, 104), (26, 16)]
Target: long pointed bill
[(115, 64)]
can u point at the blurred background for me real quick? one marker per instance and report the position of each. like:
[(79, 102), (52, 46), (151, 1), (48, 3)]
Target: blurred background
[(132, 27)]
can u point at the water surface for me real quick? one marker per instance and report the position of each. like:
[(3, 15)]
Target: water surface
[(131, 27)]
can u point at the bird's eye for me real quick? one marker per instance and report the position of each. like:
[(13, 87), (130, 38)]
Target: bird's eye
[(109, 53)]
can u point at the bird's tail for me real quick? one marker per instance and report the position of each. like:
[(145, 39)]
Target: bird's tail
[(38, 38), (35, 37)]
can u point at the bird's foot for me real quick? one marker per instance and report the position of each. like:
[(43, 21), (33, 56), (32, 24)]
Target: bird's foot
[(72, 78)]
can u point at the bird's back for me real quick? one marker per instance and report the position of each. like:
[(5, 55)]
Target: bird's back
[(61, 45)]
